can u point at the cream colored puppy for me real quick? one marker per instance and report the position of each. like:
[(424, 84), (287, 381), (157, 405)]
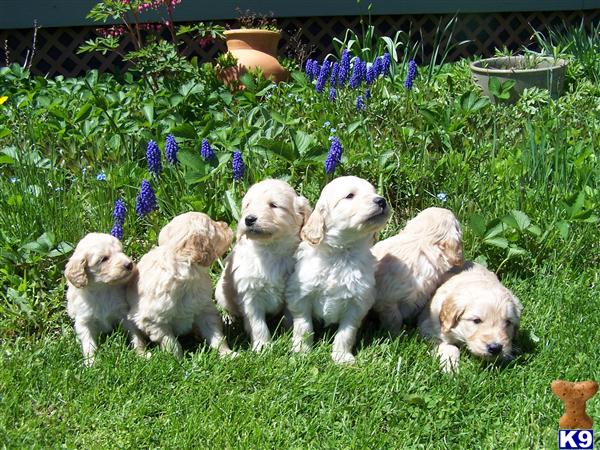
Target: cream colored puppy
[(411, 264), (172, 294), (97, 274), (474, 309), (334, 276), (252, 284)]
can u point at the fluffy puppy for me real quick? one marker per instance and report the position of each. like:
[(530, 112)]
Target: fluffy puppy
[(253, 281), (334, 276), (172, 293), (474, 309), (411, 264), (97, 274)]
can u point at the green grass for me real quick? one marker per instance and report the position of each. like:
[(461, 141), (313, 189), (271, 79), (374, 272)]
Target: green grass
[(394, 397)]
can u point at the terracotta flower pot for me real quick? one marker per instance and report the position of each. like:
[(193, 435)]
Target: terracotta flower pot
[(253, 48)]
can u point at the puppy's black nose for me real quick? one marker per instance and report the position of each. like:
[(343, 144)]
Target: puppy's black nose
[(129, 265), (380, 201), (250, 220), (494, 348)]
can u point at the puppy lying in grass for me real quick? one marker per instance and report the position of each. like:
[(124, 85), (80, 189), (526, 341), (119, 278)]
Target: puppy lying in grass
[(252, 284), (334, 276), (475, 310), (97, 274), (172, 293), (410, 265)]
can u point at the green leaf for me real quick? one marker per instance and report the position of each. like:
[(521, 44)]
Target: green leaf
[(515, 250), (497, 242), (231, 204), (192, 160), (303, 141), (477, 224), (83, 113), (520, 220), (494, 228), (563, 229), (148, 109), (185, 130), (494, 86), (353, 126), (279, 148), (62, 248)]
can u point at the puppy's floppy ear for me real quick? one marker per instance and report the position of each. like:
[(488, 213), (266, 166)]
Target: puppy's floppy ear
[(449, 314), (224, 236), (303, 209), (516, 312), (314, 229), (75, 270), (199, 248)]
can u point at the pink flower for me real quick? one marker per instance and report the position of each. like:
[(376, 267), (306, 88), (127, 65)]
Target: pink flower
[(206, 40)]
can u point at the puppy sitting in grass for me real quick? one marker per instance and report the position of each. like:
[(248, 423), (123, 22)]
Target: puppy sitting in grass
[(410, 265), (252, 284), (475, 310), (172, 294), (334, 276), (97, 274)]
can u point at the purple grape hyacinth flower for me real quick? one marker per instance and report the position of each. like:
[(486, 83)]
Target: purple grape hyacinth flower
[(119, 211), (206, 150), (360, 104), (308, 68), (367, 94), (344, 67), (355, 78), (119, 219), (378, 66), (145, 202), (334, 156), (334, 73), (171, 149), (315, 69), (323, 75), (387, 63), (237, 165), (410, 74), (117, 231), (332, 94), (371, 75), (153, 158)]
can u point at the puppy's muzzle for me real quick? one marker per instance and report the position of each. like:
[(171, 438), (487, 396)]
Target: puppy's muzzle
[(250, 220), (494, 348), (129, 265), (380, 201)]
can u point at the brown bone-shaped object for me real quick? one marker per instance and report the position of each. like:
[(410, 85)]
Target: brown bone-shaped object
[(574, 396)]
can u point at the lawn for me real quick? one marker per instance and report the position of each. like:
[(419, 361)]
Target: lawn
[(522, 178)]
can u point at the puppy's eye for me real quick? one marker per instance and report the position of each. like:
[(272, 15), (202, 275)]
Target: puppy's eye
[(104, 259), (350, 195), (476, 320), (272, 205)]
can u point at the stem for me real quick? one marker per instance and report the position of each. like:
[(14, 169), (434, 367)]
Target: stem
[(132, 33)]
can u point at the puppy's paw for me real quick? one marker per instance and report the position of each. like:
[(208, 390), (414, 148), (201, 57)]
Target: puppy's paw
[(143, 354), (228, 319), (228, 354), (300, 347), (343, 358), (88, 361), (259, 346)]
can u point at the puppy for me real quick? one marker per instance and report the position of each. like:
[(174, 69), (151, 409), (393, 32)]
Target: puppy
[(172, 293), (253, 281), (334, 276), (474, 309), (411, 264), (97, 274)]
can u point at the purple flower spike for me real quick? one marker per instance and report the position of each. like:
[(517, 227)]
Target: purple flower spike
[(334, 156)]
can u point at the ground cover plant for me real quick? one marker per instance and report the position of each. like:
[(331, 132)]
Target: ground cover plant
[(101, 153)]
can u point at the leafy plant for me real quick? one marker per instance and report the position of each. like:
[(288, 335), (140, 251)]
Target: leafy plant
[(500, 89)]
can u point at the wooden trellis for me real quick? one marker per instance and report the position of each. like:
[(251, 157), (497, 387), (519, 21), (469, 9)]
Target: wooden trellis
[(56, 48)]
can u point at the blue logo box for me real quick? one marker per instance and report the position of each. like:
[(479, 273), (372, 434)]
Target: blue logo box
[(575, 439)]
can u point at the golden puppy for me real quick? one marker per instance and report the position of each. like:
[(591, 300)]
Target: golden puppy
[(334, 276), (172, 294), (411, 264), (253, 281), (96, 274), (474, 309)]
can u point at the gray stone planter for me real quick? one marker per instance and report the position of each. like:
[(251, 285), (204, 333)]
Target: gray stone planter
[(541, 72)]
